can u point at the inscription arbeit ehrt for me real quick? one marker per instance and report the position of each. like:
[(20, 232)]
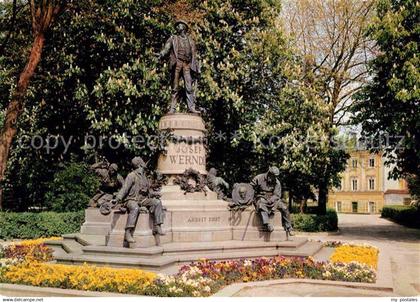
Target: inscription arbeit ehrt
[(204, 219)]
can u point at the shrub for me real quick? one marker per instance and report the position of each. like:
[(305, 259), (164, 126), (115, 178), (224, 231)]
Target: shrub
[(405, 215), (71, 188), (34, 225), (315, 223)]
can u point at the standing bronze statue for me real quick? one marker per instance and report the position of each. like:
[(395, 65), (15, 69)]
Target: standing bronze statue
[(268, 199), (136, 193), (183, 63)]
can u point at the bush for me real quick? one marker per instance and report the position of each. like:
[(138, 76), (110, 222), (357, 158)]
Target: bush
[(34, 225), (405, 215), (315, 223), (71, 188)]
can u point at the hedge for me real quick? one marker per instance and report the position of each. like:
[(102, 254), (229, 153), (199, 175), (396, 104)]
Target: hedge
[(315, 223), (26, 225), (405, 215)]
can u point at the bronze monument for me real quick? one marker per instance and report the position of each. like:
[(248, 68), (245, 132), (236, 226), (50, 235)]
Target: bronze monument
[(136, 193), (182, 63), (217, 184), (268, 199), (110, 180)]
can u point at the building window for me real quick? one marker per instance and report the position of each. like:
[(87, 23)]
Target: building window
[(354, 184), (372, 207), (354, 206), (338, 206), (354, 163), (371, 184), (371, 162)]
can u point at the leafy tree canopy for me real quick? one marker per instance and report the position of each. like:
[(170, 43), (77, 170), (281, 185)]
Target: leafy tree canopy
[(99, 77), (389, 106)]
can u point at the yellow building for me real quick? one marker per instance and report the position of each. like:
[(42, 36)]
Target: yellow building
[(365, 187)]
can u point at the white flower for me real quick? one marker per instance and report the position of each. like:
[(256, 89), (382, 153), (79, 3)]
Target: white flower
[(196, 293)]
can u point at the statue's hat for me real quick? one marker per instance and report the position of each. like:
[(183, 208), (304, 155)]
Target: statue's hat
[(138, 162), (182, 22)]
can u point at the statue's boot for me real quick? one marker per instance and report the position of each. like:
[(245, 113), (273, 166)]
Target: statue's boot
[(129, 235), (290, 232), (268, 227), (157, 230), (193, 110)]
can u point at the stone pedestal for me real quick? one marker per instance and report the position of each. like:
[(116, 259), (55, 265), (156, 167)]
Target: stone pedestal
[(95, 223), (190, 217), (186, 150), (197, 224), (186, 221)]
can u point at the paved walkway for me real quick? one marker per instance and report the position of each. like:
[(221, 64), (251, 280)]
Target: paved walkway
[(403, 244)]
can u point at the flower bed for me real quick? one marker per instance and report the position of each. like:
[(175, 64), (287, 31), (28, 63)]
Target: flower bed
[(226, 272), (34, 249), (84, 277), (202, 278), (347, 253)]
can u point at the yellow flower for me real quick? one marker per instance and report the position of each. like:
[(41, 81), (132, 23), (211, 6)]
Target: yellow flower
[(34, 241), (84, 277), (362, 254)]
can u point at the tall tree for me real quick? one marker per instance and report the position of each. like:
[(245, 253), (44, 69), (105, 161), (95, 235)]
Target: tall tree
[(101, 75), (42, 15), (389, 107), (330, 36)]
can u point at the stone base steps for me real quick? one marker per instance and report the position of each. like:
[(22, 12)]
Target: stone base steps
[(196, 247), (159, 258)]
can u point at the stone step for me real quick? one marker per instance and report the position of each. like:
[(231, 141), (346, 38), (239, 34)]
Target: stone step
[(73, 243), (65, 246), (72, 246), (124, 262), (195, 248), (163, 262), (85, 239), (324, 254), (57, 247)]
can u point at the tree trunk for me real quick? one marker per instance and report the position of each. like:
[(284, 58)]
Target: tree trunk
[(15, 107), (302, 206), (323, 195), (325, 177), (290, 201)]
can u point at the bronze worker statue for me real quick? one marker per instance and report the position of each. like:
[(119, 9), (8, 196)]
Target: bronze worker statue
[(268, 198), (111, 182), (135, 194), (217, 184), (182, 63)]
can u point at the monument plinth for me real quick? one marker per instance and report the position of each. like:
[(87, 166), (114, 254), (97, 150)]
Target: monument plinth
[(197, 224), (185, 148)]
